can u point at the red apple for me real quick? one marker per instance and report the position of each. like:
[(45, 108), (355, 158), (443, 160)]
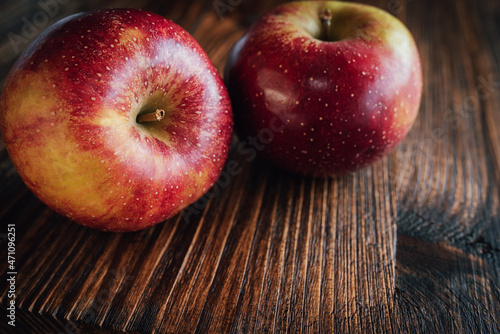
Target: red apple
[(69, 119), (324, 88)]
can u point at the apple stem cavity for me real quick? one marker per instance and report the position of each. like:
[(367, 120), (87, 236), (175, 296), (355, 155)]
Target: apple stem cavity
[(325, 17), (154, 116)]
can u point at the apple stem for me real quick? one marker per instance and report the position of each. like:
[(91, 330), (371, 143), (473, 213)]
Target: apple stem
[(151, 116), (325, 17)]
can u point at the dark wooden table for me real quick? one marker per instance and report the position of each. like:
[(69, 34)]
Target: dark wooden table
[(409, 245)]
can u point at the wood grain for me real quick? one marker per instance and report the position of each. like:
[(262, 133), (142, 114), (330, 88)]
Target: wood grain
[(448, 248), (409, 245)]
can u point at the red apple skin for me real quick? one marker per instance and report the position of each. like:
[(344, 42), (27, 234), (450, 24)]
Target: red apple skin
[(324, 108), (68, 119)]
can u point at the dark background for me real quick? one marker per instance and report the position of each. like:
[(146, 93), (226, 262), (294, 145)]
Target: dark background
[(411, 244)]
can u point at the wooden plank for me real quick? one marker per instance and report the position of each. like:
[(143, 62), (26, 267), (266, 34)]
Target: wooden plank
[(447, 277)]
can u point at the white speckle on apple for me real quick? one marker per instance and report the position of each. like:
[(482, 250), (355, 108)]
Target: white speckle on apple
[(112, 45), (352, 95), (92, 98), (107, 67)]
